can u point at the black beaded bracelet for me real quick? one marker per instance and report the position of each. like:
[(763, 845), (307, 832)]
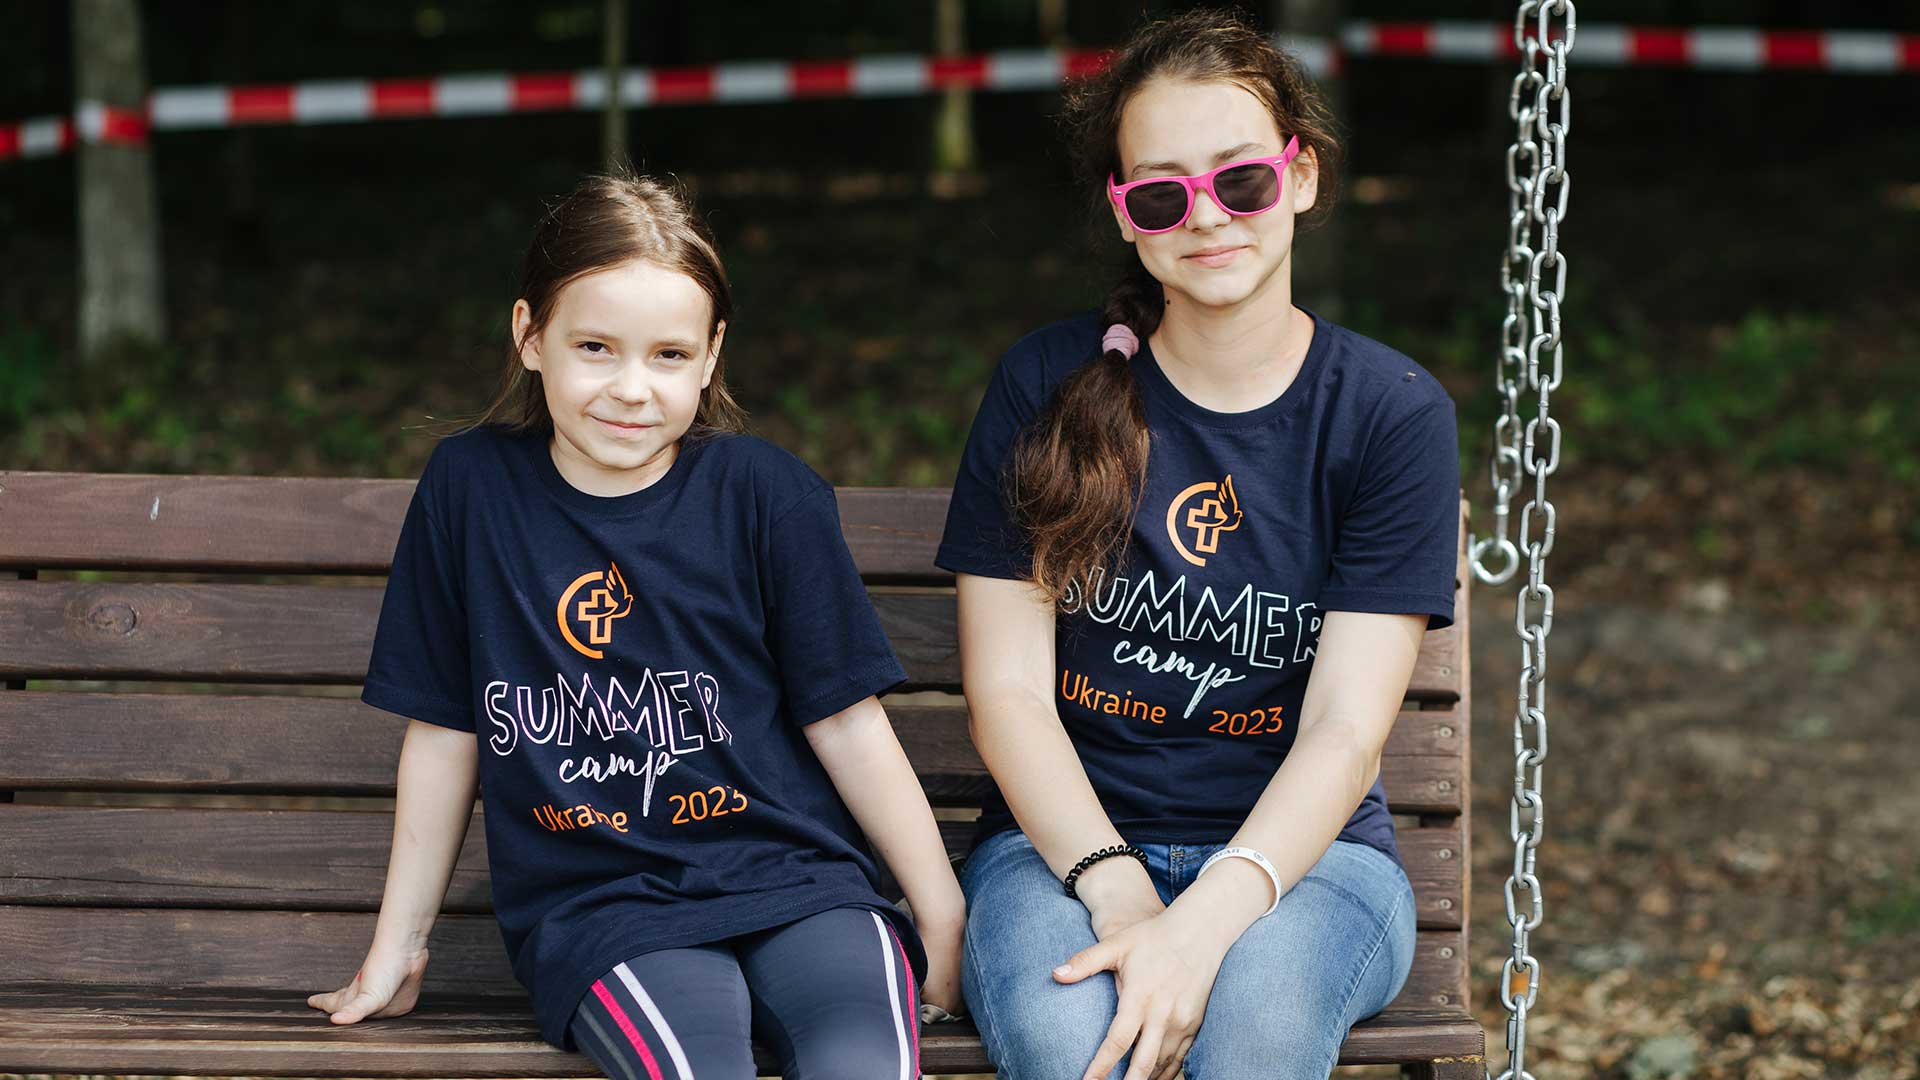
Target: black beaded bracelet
[(1080, 867)]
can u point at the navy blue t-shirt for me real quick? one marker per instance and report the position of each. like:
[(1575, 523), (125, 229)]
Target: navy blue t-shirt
[(1180, 676), (638, 670)]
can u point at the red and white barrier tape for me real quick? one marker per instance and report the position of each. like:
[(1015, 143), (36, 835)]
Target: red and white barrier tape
[(188, 108), (1732, 48)]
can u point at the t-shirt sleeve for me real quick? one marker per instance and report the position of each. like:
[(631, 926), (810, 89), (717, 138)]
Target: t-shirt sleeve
[(419, 666), (981, 536), (821, 626), (1395, 548)]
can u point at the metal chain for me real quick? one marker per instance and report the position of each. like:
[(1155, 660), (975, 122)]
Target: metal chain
[(1534, 279)]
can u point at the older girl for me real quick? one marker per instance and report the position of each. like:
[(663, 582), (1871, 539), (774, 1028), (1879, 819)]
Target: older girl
[(1198, 537)]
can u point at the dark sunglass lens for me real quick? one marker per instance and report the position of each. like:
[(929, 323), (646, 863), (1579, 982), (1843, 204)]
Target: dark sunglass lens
[(1157, 206), (1248, 189)]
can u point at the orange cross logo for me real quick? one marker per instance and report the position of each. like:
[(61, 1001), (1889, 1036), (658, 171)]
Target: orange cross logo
[(1218, 511), (607, 598)]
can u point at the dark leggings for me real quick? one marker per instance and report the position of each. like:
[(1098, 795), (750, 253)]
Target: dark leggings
[(831, 995)]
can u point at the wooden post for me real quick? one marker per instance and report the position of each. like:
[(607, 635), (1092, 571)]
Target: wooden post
[(613, 125), (120, 283), (953, 149), (15, 684), (1053, 23), (1316, 256)]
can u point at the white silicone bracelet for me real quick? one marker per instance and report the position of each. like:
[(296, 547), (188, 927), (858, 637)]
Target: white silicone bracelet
[(1253, 857)]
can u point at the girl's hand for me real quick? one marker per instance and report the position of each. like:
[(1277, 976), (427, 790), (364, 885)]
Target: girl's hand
[(388, 984), (942, 987), (1164, 969), (1124, 912), (1118, 894)]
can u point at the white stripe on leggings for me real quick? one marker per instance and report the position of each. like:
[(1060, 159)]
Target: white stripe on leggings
[(893, 995), (647, 1006)]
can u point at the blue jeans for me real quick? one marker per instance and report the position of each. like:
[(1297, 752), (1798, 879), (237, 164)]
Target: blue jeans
[(1336, 951)]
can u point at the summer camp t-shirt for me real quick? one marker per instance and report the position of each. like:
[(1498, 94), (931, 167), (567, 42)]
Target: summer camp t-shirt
[(1180, 676), (638, 671)]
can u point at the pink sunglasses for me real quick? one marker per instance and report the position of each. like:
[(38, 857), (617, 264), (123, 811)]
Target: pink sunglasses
[(1163, 203)]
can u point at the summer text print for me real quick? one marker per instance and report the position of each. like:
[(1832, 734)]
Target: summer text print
[(657, 714), (1255, 626), (664, 717)]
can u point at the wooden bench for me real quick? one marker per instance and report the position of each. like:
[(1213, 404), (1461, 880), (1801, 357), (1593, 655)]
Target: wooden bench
[(182, 935)]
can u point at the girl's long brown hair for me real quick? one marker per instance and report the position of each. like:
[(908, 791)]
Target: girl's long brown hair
[(1076, 472), (604, 222)]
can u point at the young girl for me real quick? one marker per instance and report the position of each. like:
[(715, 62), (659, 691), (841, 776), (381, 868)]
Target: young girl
[(639, 631), (1198, 537)]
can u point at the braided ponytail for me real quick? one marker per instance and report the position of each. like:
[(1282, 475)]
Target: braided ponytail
[(1078, 469)]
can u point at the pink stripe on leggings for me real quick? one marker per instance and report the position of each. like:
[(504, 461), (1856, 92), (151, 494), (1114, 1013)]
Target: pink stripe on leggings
[(626, 1025), (913, 1002)]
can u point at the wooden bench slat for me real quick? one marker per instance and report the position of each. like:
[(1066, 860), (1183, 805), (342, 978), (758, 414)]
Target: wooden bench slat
[(894, 532), (202, 743), (1424, 784), (295, 633), (275, 524), (331, 860), (258, 950), (1434, 856), (324, 634), (267, 744), (280, 950), (276, 1034), (1405, 1033), (255, 523), (201, 633), (299, 860)]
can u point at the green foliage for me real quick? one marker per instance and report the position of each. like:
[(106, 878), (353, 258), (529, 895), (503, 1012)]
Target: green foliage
[(1768, 391), (1895, 914), (27, 363)]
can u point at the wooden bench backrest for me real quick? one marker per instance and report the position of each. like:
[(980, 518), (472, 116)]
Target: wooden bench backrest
[(246, 687)]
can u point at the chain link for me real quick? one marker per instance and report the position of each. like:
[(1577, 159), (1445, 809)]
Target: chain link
[(1533, 277)]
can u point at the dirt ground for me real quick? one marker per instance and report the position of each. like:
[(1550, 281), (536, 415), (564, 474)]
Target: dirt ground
[(1732, 882)]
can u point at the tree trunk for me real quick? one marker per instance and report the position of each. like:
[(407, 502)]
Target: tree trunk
[(1316, 255), (1053, 23), (120, 284), (613, 126), (953, 150)]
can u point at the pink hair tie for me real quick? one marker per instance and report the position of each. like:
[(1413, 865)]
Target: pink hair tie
[(1120, 337)]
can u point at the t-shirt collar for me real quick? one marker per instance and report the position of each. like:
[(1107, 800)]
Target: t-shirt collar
[(1156, 384), (534, 445)]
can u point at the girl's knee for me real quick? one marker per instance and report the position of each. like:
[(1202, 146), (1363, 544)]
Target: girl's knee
[(1036, 1029), (855, 1051), (1235, 1051)]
